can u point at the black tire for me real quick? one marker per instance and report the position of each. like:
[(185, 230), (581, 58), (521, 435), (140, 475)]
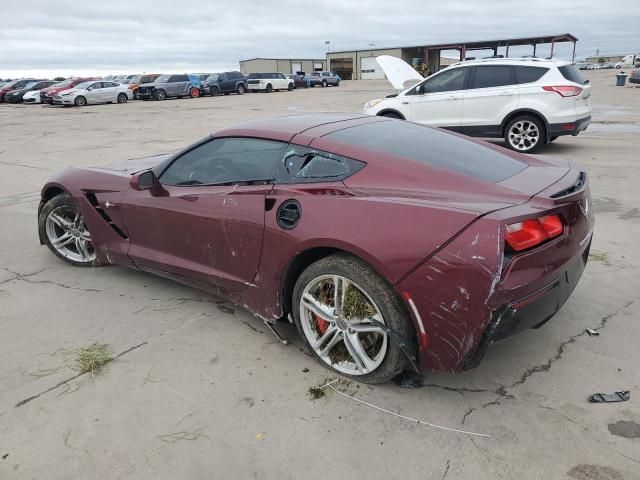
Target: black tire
[(290, 87), (269, 88), (160, 94), (240, 89), (338, 83), (80, 101), (214, 91), (135, 95), (552, 139), (122, 98), (525, 145), (61, 200), (226, 93), (391, 307), (324, 83), (391, 115)]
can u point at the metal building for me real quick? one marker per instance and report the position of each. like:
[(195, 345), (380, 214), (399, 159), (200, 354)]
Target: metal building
[(362, 65), (282, 65)]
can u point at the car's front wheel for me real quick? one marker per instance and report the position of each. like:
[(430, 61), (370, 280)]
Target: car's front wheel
[(240, 89), (80, 101), (63, 229), (324, 83), (269, 88), (338, 304), (524, 134), (122, 98), (290, 87), (160, 95)]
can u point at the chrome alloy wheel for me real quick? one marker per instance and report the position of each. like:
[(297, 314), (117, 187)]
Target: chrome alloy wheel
[(524, 135), (68, 234), (336, 316)]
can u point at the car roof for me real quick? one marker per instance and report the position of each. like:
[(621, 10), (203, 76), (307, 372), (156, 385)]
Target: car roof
[(513, 61), (286, 127)]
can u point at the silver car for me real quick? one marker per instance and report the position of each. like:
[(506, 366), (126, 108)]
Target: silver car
[(93, 92)]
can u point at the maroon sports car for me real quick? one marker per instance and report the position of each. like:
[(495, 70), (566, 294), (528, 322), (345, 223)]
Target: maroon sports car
[(390, 245)]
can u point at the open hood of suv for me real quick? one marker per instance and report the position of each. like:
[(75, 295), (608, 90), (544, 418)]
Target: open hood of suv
[(398, 72)]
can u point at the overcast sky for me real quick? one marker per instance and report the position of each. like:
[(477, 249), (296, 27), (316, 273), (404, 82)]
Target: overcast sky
[(62, 37)]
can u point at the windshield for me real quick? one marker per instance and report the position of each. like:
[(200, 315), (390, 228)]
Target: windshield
[(213, 77), (162, 79), (83, 85), (147, 79), (571, 73), (30, 84)]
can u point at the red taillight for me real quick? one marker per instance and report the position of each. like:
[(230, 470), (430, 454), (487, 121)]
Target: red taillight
[(529, 233), (564, 90)]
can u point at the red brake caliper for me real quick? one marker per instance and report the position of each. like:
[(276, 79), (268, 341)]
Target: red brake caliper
[(321, 324)]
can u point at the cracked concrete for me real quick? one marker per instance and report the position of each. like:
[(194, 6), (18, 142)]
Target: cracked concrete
[(208, 367)]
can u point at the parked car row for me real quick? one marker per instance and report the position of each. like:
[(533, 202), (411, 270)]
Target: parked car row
[(154, 86)]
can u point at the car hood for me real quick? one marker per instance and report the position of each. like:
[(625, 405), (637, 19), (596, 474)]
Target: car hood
[(134, 165), (398, 72)]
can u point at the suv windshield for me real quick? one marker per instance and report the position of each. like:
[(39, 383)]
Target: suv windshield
[(571, 73), (83, 85), (213, 77)]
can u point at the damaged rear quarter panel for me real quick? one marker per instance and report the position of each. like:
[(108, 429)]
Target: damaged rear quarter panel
[(452, 292)]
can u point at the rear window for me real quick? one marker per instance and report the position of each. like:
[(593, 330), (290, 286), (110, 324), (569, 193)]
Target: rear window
[(571, 73), (433, 147), (529, 74)]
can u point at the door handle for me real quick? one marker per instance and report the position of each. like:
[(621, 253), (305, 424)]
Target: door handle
[(451, 97), (405, 103), (504, 94)]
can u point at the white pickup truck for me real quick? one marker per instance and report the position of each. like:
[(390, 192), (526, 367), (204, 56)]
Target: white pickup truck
[(268, 82)]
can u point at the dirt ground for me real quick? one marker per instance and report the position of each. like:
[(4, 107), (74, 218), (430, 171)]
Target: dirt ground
[(203, 390)]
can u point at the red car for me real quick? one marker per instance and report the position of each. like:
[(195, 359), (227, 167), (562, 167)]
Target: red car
[(47, 94), (390, 245)]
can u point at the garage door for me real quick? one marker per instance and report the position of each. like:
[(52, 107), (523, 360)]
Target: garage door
[(370, 70), (296, 67)]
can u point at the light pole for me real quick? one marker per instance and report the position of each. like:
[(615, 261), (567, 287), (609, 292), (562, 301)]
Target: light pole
[(328, 44)]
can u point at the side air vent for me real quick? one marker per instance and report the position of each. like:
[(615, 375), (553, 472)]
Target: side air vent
[(582, 178), (289, 214), (93, 200)]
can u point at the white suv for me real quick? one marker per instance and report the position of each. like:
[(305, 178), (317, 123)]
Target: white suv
[(529, 101), (269, 82)]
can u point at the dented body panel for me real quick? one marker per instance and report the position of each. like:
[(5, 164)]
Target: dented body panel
[(437, 236)]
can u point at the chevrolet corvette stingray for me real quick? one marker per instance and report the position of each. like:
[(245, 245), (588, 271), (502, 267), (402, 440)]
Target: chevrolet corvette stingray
[(389, 244)]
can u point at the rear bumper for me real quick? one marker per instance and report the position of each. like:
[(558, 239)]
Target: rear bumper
[(569, 128), (634, 80), (534, 310)]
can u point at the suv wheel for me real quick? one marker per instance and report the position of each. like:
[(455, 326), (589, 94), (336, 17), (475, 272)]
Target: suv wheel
[(240, 89), (194, 92), (213, 91), (324, 83), (290, 87), (524, 134), (80, 101), (269, 88), (160, 95)]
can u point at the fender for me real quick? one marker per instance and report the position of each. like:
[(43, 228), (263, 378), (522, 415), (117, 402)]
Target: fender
[(390, 110)]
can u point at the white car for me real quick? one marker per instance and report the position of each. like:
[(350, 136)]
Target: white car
[(529, 102), (269, 82), (32, 97), (93, 92), (629, 61)]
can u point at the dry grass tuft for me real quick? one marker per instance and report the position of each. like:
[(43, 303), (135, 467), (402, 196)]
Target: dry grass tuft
[(93, 359)]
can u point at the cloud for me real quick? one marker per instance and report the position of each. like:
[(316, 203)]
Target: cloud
[(55, 37)]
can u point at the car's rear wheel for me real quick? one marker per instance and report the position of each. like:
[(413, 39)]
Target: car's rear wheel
[(62, 226), (524, 134), (336, 304), (290, 87), (80, 101), (135, 95), (160, 95), (194, 92), (269, 88), (122, 98), (240, 89), (324, 83)]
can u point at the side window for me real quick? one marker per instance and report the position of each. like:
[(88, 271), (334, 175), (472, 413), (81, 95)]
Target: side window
[(447, 81), (487, 76), (226, 161), (108, 84), (281, 76), (529, 74), (96, 85), (306, 165), (222, 77), (236, 76)]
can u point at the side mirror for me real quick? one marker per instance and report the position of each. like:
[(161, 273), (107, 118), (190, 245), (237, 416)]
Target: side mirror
[(146, 180)]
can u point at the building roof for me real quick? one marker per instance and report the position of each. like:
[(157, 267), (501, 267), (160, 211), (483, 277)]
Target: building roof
[(563, 37), (286, 59)]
